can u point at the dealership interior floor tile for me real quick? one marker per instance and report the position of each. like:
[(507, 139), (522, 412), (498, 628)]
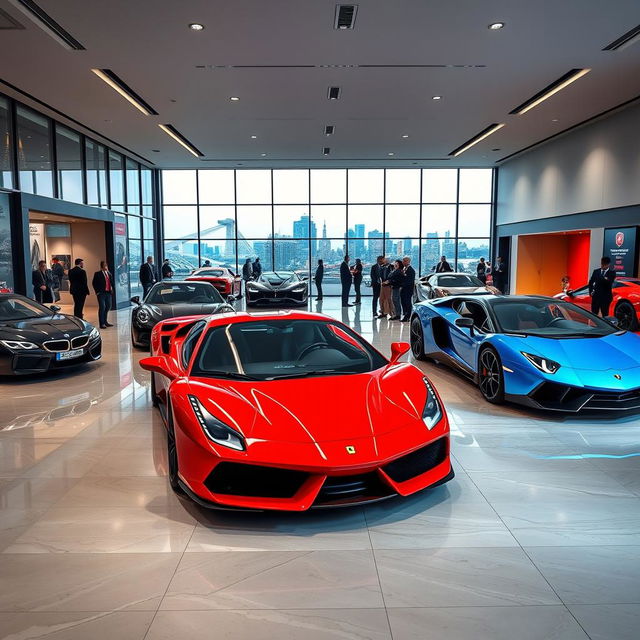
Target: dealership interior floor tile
[(537, 536)]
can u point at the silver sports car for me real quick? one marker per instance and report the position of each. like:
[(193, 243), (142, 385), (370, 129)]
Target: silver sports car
[(438, 285)]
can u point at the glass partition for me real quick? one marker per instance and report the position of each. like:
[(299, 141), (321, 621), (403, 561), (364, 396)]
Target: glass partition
[(69, 164), (35, 166)]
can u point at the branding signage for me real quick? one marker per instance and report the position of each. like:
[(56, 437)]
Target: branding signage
[(621, 246)]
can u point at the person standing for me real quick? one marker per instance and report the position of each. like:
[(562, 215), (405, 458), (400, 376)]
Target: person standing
[(345, 281), (443, 266), (42, 281), (317, 278), (406, 292), (103, 286), (256, 268), (601, 287), (206, 263), (481, 271), (78, 287), (394, 280), (58, 276), (148, 276), (376, 284), (386, 305), (499, 274), (356, 273), (167, 270), (247, 270)]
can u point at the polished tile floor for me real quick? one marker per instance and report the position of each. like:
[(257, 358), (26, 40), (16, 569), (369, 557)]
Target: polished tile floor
[(538, 536)]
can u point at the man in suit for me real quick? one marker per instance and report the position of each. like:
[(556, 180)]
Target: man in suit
[(481, 271), (601, 287), (42, 281), (257, 269), (376, 273), (345, 280), (318, 276), (443, 266), (500, 275), (247, 270), (167, 270), (78, 287), (406, 291), (148, 276), (58, 276), (103, 284)]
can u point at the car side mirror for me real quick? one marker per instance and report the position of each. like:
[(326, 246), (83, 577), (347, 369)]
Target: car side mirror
[(231, 299), (305, 278), (398, 349), (135, 299), (159, 364), (465, 323), (55, 308), (613, 320)]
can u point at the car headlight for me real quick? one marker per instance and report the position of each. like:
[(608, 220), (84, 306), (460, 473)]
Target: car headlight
[(143, 315), (251, 286), (298, 289), (17, 344), (543, 364), (432, 412), (216, 430), (94, 334)]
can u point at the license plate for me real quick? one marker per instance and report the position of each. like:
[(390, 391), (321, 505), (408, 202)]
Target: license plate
[(69, 355)]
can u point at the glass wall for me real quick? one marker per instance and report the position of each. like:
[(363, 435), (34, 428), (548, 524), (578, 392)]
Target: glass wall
[(290, 218), (69, 164), (96, 163), (6, 151), (34, 152)]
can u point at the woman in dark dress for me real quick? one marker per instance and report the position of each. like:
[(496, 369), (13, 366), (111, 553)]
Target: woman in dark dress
[(356, 272)]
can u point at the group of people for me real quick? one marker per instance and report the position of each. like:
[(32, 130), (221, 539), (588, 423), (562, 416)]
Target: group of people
[(44, 281), (251, 270), (149, 274)]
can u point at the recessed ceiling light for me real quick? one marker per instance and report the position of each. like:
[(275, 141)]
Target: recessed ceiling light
[(155, 150), (405, 135), (494, 26), (263, 154), (117, 84), (234, 98), (437, 98), (391, 153), (196, 26), (555, 120), (253, 137)]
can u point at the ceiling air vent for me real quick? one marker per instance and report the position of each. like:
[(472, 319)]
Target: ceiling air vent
[(48, 24), (326, 151), (329, 129), (625, 40), (345, 16), (334, 93)]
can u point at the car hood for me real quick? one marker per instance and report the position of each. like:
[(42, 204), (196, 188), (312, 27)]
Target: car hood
[(616, 351), (185, 309), (319, 409), (54, 326)]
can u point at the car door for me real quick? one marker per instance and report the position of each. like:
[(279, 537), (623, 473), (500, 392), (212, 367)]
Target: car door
[(465, 341)]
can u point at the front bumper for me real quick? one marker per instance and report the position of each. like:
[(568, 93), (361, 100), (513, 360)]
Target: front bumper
[(276, 297), (140, 336)]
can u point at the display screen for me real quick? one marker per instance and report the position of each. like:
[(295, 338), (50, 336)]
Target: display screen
[(621, 246)]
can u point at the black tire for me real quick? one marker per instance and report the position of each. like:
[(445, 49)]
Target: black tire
[(417, 339), (491, 376), (626, 316), (172, 454), (154, 392)]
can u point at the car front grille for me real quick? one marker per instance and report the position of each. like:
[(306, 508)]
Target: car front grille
[(363, 487), (233, 479), (560, 397), (417, 462), (56, 346), (79, 342), (623, 400)]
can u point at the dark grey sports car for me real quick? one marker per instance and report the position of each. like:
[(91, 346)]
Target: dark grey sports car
[(277, 287), (172, 299), (35, 338)]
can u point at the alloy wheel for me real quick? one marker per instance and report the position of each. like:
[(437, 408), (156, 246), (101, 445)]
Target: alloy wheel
[(490, 380), (625, 315), (416, 339)]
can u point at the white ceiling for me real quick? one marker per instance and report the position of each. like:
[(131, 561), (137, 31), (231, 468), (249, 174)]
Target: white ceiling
[(147, 43)]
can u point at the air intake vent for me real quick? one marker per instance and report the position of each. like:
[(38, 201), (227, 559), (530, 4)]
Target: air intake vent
[(46, 22), (625, 40), (345, 16), (326, 151), (334, 93), (329, 129)]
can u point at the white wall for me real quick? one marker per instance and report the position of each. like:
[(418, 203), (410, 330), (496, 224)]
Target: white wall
[(588, 169)]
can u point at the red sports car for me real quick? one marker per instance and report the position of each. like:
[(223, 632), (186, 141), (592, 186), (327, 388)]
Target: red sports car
[(223, 279), (291, 411), (625, 306)]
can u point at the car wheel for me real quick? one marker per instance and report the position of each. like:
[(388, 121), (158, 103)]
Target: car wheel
[(172, 453), (417, 339), (626, 316), (490, 376), (154, 392)]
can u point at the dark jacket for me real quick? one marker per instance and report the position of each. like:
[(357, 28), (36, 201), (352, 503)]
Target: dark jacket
[(396, 278), (481, 270), (345, 273), (99, 282), (601, 284), (148, 274), (78, 282), (443, 267), (247, 271), (409, 277), (500, 274), (167, 270), (58, 274), (319, 273), (257, 269), (38, 278), (376, 274), (357, 272)]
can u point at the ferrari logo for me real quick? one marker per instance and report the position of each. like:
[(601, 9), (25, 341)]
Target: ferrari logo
[(617, 376), (350, 450)]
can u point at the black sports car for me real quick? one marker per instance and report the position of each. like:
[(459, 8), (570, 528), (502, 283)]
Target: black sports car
[(35, 338), (172, 299), (276, 287)]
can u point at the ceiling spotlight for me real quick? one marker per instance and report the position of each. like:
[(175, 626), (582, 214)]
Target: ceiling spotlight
[(263, 154), (391, 153), (234, 98), (196, 26), (405, 135), (494, 26), (437, 98), (253, 137)]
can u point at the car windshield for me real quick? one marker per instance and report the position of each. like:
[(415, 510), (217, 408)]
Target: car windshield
[(14, 308), (548, 318), (458, 280), (183, 293), (215, 273), (283, 348), (277, 277)]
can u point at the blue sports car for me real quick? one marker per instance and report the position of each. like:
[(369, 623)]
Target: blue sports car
[(537, 351)]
